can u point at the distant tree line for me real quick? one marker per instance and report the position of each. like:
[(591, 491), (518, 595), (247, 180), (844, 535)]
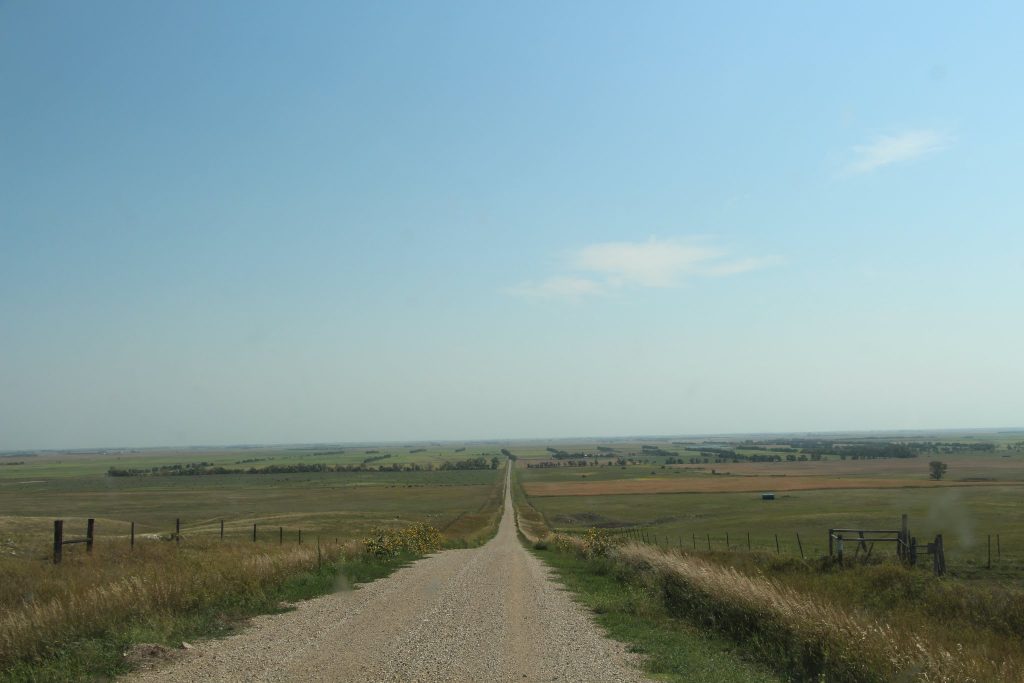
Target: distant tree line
[(479, 463), (206, 468)]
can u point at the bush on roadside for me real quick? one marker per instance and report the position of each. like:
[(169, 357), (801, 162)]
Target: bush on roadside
[(415, 539), (596, 543)]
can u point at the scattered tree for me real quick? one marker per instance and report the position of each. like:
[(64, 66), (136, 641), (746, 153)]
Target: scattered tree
[(937, 469)]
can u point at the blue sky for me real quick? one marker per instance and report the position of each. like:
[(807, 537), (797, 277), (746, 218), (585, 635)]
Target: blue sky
[(276, 222)]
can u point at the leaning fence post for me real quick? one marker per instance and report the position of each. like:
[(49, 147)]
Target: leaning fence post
[(800, 545), (58, 540), (709, 542), (90, 526)]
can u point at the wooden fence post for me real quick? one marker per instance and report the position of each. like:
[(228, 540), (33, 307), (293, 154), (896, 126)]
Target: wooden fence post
[(727, 546), (300, 536), (222, 529), (939, 558), (990, 551), (132, 545), (90, 527), (709, 542), (280, 535), (748, 541), (253, 533), (177, 530), (801, 546), (999, 549), (694, 540), (904, 541), (58, 540), (777, 551)]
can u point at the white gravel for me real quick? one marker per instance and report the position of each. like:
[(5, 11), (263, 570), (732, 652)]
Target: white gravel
[(489, 614)]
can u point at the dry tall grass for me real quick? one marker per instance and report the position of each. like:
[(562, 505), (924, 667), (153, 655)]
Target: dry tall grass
[(42, 605), (800, 633)]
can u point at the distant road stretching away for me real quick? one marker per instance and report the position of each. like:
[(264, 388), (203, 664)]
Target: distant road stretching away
[(488, 614)]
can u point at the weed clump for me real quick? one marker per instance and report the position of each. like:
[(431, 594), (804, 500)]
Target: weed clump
[(596, 543), (415, 539)]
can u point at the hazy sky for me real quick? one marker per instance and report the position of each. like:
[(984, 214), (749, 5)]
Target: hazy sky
[(294, 222)]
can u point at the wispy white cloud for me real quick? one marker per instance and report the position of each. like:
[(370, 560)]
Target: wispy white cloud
[(654, 263), (607, 266), (893, 149)]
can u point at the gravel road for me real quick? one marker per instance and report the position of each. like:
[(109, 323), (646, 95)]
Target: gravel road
[(489, 614)]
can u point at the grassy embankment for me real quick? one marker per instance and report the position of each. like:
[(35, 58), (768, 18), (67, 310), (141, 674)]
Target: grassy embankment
[(76, 620), (807, 618), (673, 649), (805, 634)]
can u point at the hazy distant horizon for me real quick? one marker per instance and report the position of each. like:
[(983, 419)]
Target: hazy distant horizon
[(380, 220), (533, 439)]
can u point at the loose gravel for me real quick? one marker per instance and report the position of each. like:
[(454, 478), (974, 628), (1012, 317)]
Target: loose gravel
[(489, 614)]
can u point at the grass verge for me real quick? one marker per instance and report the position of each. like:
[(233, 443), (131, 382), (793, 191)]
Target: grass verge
[(92, 613), (802, 636), (673, 649)]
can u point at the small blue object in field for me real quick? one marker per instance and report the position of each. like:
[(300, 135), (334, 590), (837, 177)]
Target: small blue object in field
[(767, 496)]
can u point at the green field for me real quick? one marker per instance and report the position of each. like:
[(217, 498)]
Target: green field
[(980, 497), (342, 505)]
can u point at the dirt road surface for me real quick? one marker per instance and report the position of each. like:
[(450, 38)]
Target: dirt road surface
[(488, 614)]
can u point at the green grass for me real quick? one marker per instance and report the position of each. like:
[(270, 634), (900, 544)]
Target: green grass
[(965, 517), (673, 649), (331, 505), (61, 464), (100, 656)]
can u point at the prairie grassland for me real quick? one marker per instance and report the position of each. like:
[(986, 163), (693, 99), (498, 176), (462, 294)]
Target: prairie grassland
[(77, 464), (162, 590), (730, 484), (965, 512), (807, 618), (807, 635), (327, 504)]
